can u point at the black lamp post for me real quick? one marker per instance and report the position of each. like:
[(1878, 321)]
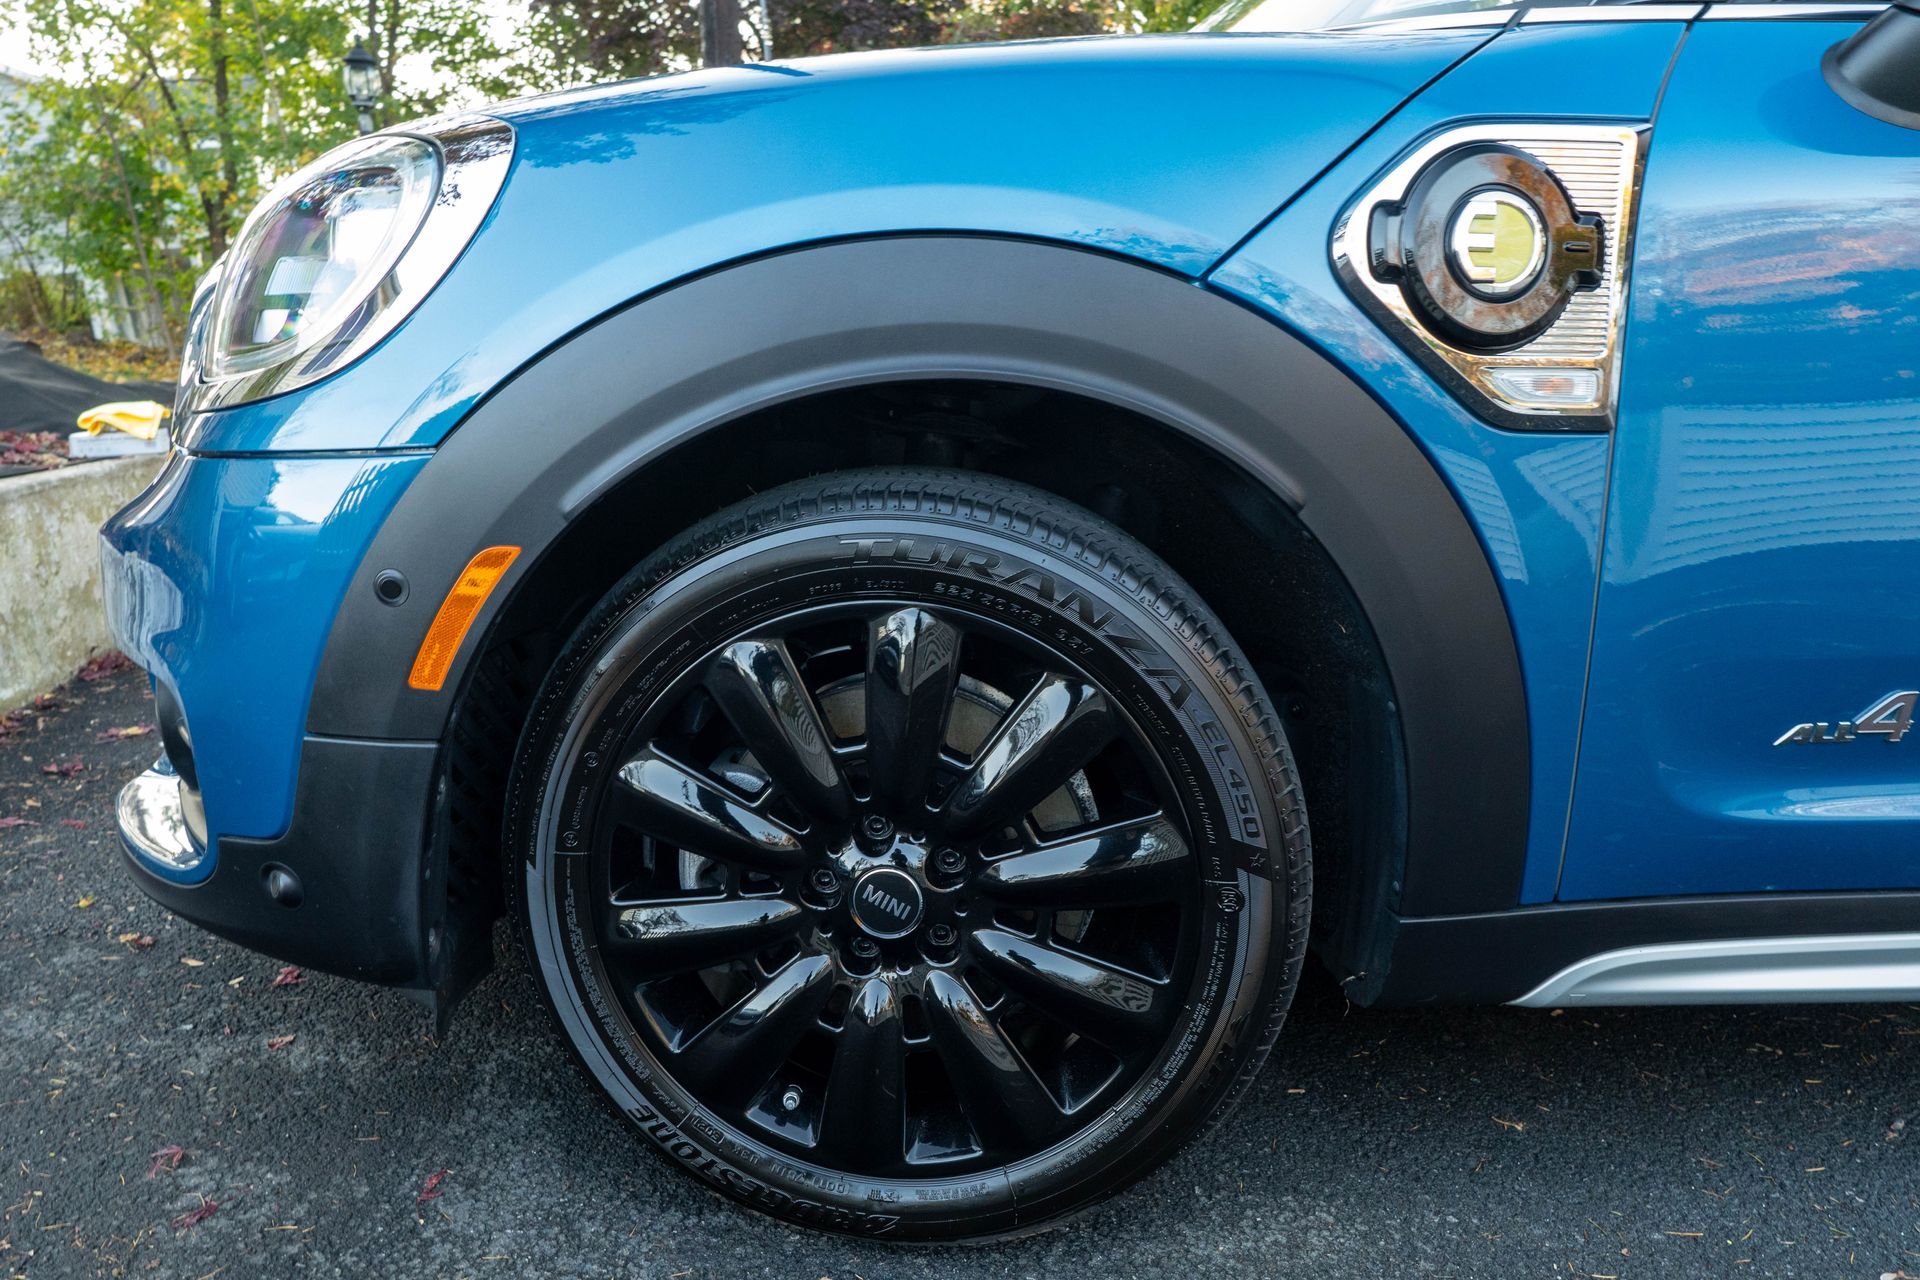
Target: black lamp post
[(363, 84)]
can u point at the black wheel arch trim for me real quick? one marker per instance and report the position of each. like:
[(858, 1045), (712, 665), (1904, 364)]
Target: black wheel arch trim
[(628, 388)]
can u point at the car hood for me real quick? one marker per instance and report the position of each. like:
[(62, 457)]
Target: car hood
[(1168, 150), (1164, 148)]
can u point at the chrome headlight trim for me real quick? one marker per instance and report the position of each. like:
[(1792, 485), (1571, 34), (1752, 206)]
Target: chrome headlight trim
[(1601, 167), (475, 153)]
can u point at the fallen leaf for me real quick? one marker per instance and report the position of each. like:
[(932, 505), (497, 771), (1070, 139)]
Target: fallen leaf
[(71, 768), (194, 1217), (279, 1042), (432, 1190), (136, 939), (123, 733), (1518, 1126), (86, 900), (289, 976), (190, 962), (100, 666), (78, 824), (167, 1157), (7, 824)]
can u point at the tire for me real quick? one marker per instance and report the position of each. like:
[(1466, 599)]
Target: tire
[(908, 853)]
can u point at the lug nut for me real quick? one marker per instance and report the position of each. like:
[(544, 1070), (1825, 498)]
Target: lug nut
[(949, 862), (941, 936), (876, 833), (866, 948), (824, 882)]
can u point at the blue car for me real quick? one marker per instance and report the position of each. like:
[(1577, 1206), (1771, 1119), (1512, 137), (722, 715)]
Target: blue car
[(876, 565)]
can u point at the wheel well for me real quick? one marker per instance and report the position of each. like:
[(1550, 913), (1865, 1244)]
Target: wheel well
[(1246, 553)]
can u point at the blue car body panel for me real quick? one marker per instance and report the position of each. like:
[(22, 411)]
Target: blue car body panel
[(1763, 531), (222, 580), (1165, 150), (1733, 558), (1536, 500)]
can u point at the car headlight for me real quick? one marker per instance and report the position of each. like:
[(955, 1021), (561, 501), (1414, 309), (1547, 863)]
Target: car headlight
[(337, 255), (307, 263)]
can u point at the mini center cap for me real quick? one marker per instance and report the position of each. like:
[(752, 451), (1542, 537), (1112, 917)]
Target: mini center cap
[(887, 903)]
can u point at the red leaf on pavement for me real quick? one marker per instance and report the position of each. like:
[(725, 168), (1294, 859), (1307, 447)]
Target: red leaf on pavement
[(194, 1217), (167, 1157), (121, 734), (78, 824), (289, 976), (67, 770), (100, 666), (432, 1190), (279, 1042), (9, 823)]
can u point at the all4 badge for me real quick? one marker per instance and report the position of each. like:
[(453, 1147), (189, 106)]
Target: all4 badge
[(1889, 718)]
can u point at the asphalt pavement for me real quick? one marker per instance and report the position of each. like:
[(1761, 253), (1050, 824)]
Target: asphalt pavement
[(167, 1110)]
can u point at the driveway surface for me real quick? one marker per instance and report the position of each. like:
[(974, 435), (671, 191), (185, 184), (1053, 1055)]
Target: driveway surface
[(304, 1128)]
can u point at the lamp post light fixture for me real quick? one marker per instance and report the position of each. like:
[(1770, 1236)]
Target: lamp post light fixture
[(362, 75)]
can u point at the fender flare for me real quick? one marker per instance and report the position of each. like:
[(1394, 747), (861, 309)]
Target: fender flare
[(635, 383)]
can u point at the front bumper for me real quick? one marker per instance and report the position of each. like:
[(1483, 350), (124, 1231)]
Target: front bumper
[(223, 580), (346, 889)]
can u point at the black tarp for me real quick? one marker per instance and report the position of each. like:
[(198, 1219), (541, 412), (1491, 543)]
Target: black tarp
[(38, 395)]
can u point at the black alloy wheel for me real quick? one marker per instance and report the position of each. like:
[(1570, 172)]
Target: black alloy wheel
[(908, 854)]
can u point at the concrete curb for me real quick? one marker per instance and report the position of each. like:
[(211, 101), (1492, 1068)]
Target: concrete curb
[(50, 615)]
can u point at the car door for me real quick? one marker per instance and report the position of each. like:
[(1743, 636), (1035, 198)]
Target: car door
[(1757, 635)]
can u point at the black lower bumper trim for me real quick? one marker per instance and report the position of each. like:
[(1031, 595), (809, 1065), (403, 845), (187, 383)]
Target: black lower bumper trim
[(356, 848), (1500, 956)]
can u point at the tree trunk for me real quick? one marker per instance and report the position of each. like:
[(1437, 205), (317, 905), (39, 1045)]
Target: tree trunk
[(222, 117), (720, 44), (389, 54)]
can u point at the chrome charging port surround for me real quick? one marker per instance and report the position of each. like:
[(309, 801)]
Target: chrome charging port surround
[(1561, 370)]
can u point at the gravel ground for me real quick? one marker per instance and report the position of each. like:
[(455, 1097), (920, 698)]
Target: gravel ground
[(311, 1119)]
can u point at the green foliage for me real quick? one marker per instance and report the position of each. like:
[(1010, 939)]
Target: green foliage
[(163, 121), (1162, 15)]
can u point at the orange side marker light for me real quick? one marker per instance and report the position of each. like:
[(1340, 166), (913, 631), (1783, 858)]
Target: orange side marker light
[(457, 612)]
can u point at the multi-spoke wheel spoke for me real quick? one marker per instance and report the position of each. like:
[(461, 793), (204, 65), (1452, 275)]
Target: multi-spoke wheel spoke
[(1109, 1004), (669, 800), (667, 936), (760, 691), (1046, 739), (865, 1112), (1006, 1104), (913, 668), (739, 1053), (1142, 861)]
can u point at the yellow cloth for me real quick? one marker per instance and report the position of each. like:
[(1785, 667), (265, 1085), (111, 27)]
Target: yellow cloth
[(139, 418)]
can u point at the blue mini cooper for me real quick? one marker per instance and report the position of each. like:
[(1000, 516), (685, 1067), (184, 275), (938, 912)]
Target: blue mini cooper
[(876, 565)]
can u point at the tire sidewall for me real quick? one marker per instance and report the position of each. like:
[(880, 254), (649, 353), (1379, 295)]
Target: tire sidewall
[(1127, 636)]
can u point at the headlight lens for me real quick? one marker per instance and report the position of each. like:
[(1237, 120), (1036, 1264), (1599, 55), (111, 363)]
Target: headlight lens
[(305, 275), (336, 257)]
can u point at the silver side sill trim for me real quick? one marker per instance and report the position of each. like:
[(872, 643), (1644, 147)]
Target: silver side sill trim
[(1843, 967), (153, 822)]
